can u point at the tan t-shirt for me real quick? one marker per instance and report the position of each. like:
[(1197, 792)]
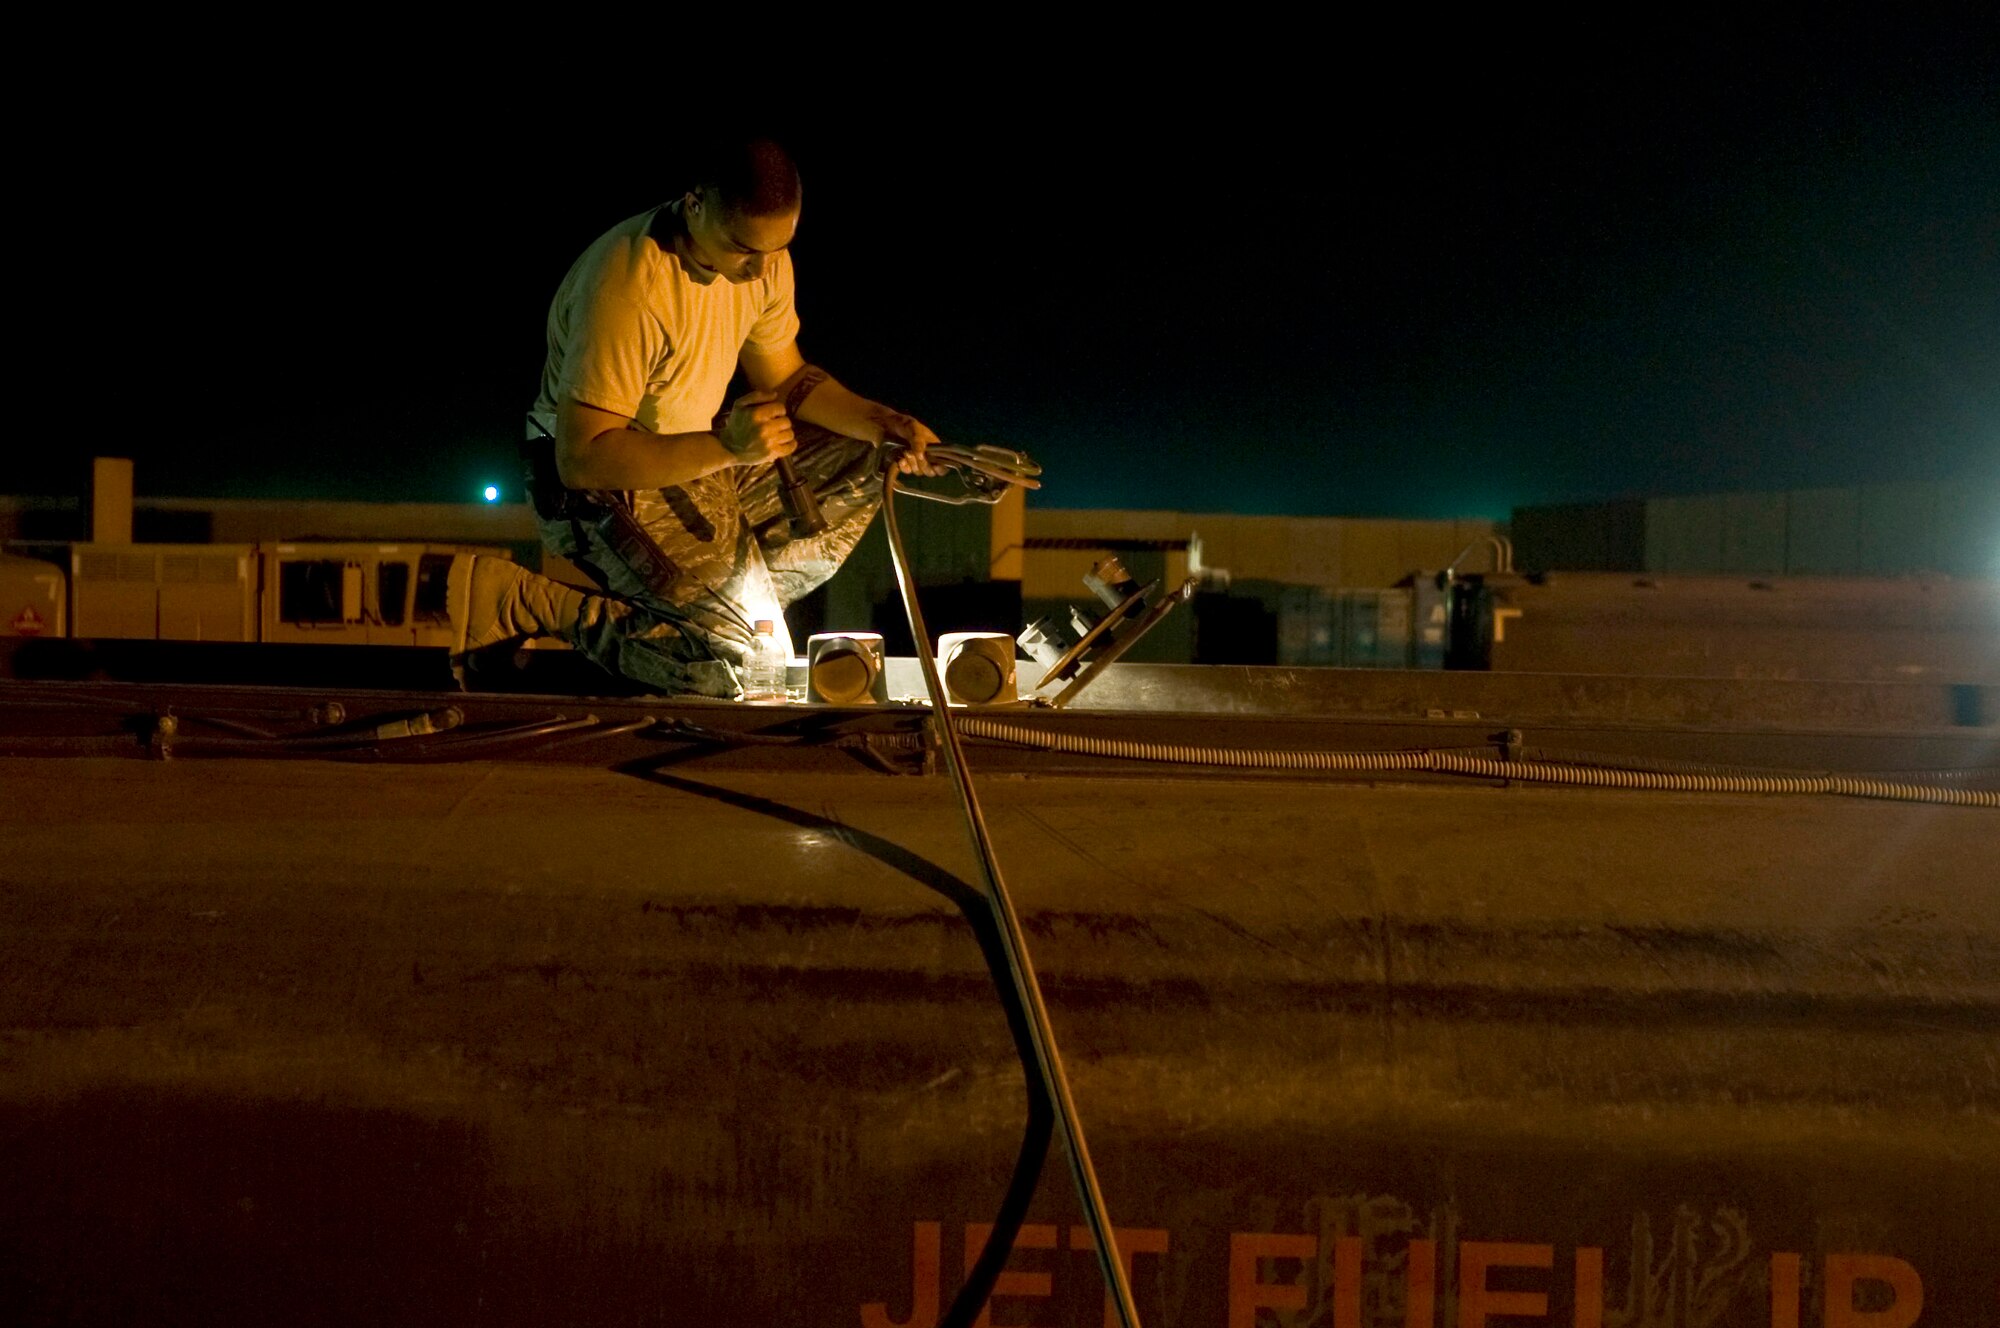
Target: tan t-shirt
[(629, 331)]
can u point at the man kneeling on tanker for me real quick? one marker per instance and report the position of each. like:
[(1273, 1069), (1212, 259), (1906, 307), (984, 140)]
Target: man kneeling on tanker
[(668, 500)]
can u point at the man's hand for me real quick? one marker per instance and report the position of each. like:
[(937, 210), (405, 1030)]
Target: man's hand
[(758, 429), (915, 437)]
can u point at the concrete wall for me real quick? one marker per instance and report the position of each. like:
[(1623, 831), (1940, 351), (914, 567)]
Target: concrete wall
[(1864, 530), (1582, 537)]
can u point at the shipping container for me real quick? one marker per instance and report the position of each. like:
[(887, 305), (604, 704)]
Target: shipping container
[(164, 592), (1360, 629)]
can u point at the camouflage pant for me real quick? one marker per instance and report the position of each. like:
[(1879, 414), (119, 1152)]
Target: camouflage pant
[(734, 557)]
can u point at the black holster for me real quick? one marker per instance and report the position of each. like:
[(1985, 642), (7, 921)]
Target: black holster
[(605, 512)]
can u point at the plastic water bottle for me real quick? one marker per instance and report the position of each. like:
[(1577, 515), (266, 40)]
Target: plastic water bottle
[(764, 666)]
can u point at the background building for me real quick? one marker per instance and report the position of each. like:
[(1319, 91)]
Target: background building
[(1266, 581), (1890, 562)]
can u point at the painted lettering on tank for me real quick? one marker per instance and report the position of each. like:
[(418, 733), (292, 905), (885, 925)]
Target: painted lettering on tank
[(1701, 1276)]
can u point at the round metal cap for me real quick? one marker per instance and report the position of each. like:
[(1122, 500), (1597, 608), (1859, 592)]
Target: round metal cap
[(842, 675), (972, 677)]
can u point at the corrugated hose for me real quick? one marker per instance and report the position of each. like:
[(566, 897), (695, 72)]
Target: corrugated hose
[(1479, 767)]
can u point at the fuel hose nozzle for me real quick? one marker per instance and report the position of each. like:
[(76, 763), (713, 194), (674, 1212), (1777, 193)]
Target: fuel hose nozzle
[(987, 473), (800, 504)]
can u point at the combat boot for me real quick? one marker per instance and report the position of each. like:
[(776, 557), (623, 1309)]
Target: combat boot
[(493, 600)]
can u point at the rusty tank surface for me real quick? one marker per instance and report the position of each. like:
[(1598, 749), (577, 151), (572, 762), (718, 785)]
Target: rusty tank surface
[(389, 1005)]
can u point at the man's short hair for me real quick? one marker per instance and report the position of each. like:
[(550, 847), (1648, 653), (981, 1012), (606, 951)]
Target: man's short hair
[(751, 177)]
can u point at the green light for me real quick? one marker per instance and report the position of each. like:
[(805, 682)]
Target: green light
[(492, 493)]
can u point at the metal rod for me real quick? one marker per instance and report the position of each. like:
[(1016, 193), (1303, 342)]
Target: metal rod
[(1014, 942)]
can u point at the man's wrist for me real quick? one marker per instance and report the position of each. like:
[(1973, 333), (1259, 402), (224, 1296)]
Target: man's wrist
[(880, 419), (721, 439)]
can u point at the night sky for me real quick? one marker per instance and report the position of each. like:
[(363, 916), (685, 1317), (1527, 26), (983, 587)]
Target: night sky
[(1394, 278)]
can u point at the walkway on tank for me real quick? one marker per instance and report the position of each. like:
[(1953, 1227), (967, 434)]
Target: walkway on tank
[(530, 1009)]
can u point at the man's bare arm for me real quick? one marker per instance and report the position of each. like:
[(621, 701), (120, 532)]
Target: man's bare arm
[(811, 394), (598, 449)]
